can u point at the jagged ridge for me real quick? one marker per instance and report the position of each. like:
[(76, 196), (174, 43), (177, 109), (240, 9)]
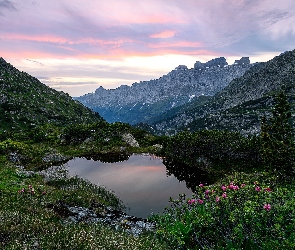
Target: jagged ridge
[(146, 100), (240, 105)]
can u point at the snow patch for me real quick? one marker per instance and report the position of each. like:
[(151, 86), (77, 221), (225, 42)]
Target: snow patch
[(191, 97)]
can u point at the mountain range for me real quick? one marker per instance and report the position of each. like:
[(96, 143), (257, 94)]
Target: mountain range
[(144, 101), (212, 95), (241, 104)]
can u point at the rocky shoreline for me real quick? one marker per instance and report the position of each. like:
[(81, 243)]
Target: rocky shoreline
[(96, 213)]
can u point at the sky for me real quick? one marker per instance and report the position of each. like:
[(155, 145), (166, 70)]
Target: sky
[(76, 46)]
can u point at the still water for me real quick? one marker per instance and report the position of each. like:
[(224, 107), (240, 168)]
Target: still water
[(140, 182)]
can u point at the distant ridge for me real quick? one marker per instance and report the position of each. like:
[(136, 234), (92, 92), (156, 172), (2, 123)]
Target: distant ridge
[(144, 101)]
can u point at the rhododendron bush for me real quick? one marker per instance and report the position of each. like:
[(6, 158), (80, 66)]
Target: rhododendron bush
[(238, 214)]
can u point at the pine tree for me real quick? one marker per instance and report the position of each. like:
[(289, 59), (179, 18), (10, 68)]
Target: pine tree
[(277, 137)]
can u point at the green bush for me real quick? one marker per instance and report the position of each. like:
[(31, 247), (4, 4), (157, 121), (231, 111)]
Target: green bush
[(12, 146), (223, 149), (232, 215)]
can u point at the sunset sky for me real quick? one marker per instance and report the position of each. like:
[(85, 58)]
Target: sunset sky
[(77, 46)]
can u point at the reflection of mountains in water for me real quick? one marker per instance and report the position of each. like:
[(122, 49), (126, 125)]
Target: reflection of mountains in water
[(191, 175), (108, 157)]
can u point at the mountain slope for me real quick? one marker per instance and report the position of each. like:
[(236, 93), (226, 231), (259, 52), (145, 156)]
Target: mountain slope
[(240, 105), (26, 102), (144, 101)]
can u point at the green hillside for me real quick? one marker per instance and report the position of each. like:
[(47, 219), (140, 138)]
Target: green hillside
[(26, 102)]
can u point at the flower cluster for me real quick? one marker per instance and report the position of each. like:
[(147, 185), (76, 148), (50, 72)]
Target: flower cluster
[(30, 190), (224, 188)]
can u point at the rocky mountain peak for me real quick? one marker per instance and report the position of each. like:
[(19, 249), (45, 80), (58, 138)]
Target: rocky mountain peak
[(146, 99), (181, 67), (243, 60), (217, 62)]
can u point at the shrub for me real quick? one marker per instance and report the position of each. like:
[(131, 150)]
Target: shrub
[(232, 215)]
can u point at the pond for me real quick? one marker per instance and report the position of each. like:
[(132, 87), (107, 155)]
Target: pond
[(141, 182)]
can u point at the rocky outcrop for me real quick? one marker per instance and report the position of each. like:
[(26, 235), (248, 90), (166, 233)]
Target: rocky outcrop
[(243, 60), (147, 99), (130, 140), (217, 62)]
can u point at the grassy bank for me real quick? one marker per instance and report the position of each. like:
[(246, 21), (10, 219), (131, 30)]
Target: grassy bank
[(31, 217)]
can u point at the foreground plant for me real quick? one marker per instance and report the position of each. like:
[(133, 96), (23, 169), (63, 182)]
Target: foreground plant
[(231, 215)]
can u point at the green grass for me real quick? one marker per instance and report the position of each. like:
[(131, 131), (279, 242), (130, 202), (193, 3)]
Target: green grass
[(28, 220)]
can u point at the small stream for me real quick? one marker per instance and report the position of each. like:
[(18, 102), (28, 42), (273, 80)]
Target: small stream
[(141, 181)]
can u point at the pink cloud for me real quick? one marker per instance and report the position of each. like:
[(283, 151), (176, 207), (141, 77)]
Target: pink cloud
[(115, 29), (164, 34), (176, 44)]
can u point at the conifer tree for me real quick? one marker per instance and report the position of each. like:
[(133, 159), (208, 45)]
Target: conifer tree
[(277, 137)]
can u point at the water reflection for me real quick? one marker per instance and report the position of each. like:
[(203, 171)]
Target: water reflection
[(192, 176), (108, 158), (141, 181)]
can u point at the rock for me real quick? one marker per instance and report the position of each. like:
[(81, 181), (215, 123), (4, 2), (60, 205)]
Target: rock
[(100, 213), (54, 157), (181, 67), (243, 60), (129, 139)]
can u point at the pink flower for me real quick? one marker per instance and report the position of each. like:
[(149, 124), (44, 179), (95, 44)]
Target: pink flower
[(30, 186), (267, 207), (243, 185), (231, 186), (44, 192), (201, 185), (267, 189), (258, 189), (223, 188), (33, 191), (191, 201), (224, 195), (207, 196), (207, 191), (200, 201), (21, 191), (217, 199)]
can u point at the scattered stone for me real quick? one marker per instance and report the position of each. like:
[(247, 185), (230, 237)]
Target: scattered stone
[(20, 171), (100, 213), (54, 173), (54, 157)]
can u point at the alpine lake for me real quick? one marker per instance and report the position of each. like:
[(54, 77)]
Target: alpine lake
[(145, 183)]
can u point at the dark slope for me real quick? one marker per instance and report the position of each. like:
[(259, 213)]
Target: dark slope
[(26, 102)]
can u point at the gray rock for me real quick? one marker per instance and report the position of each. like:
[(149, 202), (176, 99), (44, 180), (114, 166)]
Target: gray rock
[(129, 139)]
